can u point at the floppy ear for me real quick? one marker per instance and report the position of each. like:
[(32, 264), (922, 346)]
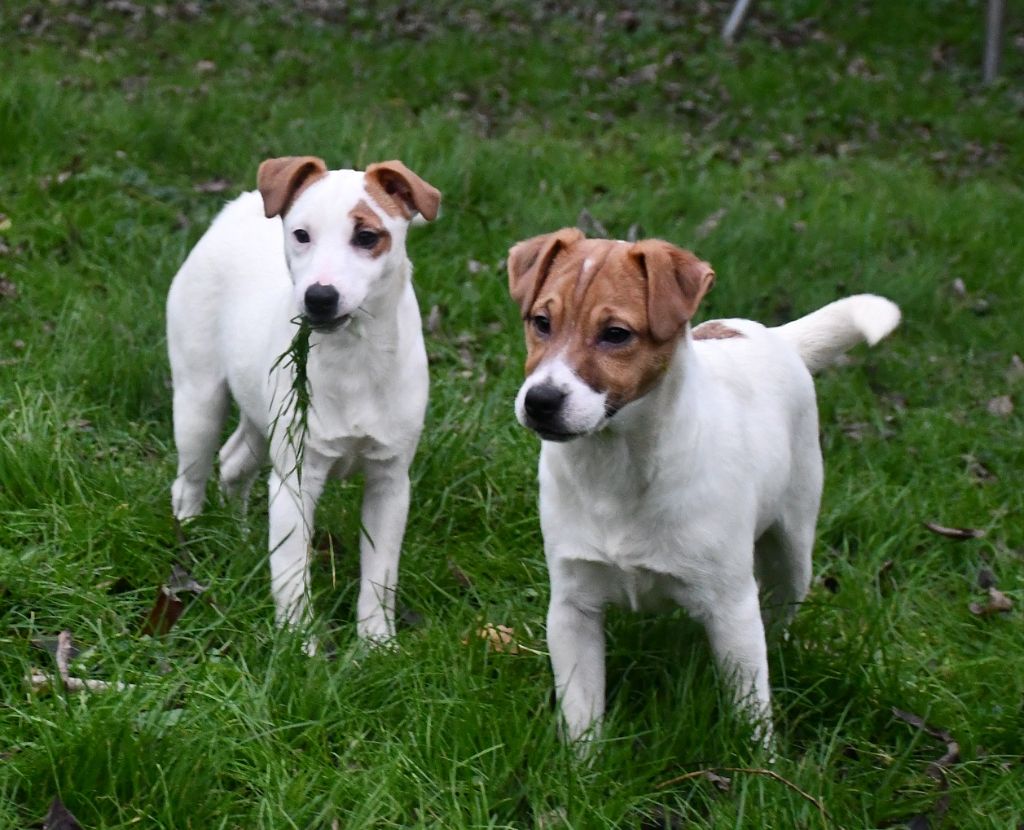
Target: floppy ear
[(392, 184), (530, 261), (676, 282), (281, 180)]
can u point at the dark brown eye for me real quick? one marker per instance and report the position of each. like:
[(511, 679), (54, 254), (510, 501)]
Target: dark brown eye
[(365, 239), (541, 324), (300, 235), (615, 335)]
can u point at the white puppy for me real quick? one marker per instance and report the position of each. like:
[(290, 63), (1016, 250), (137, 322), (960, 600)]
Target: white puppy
[(677, 466), (329, 246)]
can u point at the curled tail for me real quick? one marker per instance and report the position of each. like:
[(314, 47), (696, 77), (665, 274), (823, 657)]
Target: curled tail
[(821, 336)]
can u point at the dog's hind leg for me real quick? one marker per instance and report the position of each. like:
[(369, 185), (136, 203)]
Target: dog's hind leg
[(782, 564), (240, 460), (199, 411)]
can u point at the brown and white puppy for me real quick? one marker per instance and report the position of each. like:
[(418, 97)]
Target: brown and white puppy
[(677, 466), (328, 246)]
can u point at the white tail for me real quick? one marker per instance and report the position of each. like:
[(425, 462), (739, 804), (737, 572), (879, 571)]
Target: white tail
[(821, 336)]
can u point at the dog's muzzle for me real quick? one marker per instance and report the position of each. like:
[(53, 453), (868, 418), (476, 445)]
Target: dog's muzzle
[(321, 307), (543, 405)]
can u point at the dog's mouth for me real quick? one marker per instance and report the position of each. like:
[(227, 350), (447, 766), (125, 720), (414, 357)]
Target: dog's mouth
[(556, 435), (332, 324)]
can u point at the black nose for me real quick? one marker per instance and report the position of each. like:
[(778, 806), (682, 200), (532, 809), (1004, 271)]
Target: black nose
[(543, 401), (321, 300)]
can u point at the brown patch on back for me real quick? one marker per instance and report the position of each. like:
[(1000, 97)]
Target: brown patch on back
[(367, 219), (715, 330)]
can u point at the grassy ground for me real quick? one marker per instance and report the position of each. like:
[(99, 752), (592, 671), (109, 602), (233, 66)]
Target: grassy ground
[(838, 148)]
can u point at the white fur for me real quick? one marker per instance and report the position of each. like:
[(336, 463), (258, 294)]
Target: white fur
[(692, 495), (229, 318)]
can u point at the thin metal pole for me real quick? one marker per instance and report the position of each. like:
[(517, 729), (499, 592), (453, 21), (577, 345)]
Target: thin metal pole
[(732, 25), (993, 39)]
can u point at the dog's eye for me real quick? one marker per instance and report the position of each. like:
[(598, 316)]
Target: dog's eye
[(300, 235), (541, 324), (366, 239), (615, 335)]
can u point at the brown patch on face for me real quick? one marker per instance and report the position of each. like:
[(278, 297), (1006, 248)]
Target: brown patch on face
[(591, 291), (366, 219), (281, 180), (400, 192), (714, 330)]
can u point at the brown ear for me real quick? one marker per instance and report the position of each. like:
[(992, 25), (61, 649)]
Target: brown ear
[(676, 282), (400, 192), (281, 180), (530, 261)]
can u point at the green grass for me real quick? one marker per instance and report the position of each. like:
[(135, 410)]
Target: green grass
[(851, 147)]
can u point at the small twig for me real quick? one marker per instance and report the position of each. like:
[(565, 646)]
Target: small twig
[(65, 650), (41, 680), (753, 771)]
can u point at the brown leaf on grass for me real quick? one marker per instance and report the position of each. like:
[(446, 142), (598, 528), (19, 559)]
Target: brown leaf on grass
[(8, 290), (978, 471), (936, 769), (958, 533), (1015, 371), (500, 638), (997, 602), (1001, 406), (212, 186), (59, 817), (587, 223), (707, 227), (459, 575), (168, 606), (433, 321), (720, 781)]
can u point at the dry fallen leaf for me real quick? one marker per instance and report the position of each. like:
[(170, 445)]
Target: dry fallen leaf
[(459, 575), (1001, 406), (936, 769), (501, 638), (997, 602), (433, 321), (958, 533), (8, 290), (1015, 372), (707, 227), (587, 223), (212, 186), (60, 818), (168, 606)]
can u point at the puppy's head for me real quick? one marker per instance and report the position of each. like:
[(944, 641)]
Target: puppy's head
[(602, 320), (344, 230)]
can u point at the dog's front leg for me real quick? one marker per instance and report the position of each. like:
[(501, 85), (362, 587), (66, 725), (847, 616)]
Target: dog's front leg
[(291, 525), (384, 513), (736, 633), (576, 644)]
